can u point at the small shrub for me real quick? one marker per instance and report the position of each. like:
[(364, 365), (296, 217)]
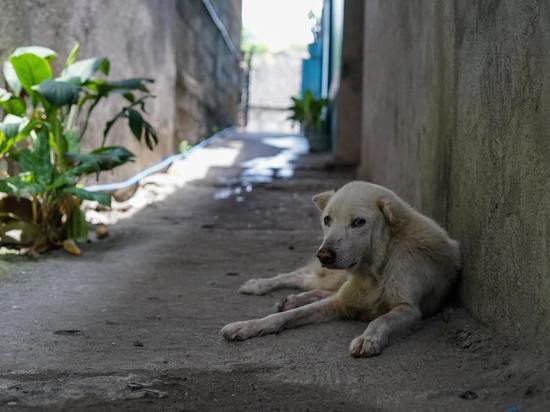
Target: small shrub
[(308, 111), (44, 121)]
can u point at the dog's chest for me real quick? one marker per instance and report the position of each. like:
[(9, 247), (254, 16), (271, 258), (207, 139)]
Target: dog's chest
[(363, 298)]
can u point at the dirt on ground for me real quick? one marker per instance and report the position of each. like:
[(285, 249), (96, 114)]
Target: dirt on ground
[(133, 324)]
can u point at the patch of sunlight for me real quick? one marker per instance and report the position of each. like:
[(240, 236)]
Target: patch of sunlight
[(14, 234), (7, 251), (297, 144), (197, 164), (156, 187), (280, 166)]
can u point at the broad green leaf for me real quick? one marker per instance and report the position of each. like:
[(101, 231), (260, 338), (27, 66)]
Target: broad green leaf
[(39, 51), (75, 81), (26, 162), (19, 232), (131, 84), (31, 70), (73, 142), (37, 162), (118, 152), (135, 121), (19, 186), (130, 97), (11, 118), (77, 227), (15, 106), (102, 87), (4, 95), (59, 93), (4, 141), (11, 78), (63, 180), (85, 69), (104, 158), (151, 139), (71, 58), (10, 125), (9, 129), (14, 129), (101, 197)]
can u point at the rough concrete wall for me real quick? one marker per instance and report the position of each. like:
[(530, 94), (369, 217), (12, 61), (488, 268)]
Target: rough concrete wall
[(208, 79), (455, 111), (348, 124), (173, 41)]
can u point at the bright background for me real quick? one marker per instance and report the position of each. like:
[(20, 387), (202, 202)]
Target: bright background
[(279, 24)]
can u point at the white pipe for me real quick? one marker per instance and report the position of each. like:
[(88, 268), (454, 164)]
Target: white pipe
[(111, 187)]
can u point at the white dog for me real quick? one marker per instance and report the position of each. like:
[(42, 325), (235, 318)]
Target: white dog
[(381, 261)]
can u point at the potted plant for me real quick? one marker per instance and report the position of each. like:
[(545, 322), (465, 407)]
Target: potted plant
[(309, 112), (43, 123)]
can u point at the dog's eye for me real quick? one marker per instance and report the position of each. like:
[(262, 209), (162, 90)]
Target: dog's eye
[(327, 220), (358, 222)]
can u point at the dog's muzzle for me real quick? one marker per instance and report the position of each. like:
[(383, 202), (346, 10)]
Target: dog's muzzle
[(326, 256)]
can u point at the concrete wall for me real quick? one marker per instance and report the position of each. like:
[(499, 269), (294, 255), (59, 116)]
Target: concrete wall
[(456, 103), (173, 41), (347, 144)]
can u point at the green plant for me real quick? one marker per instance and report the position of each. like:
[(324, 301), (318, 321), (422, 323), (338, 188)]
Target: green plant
[(184, 146), (44, 123), (308, 111)]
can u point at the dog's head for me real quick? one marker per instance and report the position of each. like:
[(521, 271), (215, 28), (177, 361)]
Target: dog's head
[(357, 221)]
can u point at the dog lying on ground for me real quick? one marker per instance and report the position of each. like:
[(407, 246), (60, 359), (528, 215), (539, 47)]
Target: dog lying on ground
[(381, 262)]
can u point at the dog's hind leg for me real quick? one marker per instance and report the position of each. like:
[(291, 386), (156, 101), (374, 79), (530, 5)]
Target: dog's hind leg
[(301, 299), (322, 311)]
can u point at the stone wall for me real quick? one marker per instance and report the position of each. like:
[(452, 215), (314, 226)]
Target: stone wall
[(173, 41), (456, 103)]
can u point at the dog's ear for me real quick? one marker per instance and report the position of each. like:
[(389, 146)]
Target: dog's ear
[(388, 210), (321, 199)]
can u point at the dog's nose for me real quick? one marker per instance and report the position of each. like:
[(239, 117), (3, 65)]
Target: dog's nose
[(326, 256)]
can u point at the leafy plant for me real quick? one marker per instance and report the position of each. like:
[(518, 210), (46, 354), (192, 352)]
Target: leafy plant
[(45, 119), (308, 111), (184, 146)]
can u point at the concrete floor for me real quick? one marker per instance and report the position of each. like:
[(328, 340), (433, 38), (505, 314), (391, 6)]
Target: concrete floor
[(134, 323)]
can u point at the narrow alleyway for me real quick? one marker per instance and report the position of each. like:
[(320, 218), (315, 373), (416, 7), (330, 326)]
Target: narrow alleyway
[(134, 323)]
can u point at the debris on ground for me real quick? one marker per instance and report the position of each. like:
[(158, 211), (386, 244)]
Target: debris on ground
[(468, 395), (102, 231), (69, 332), (154, 393), (134, 386), (71, 247)]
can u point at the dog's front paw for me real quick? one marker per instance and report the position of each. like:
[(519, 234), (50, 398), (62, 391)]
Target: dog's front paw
[(255, 287), (365, 346), (290, 302), (239, 330)]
